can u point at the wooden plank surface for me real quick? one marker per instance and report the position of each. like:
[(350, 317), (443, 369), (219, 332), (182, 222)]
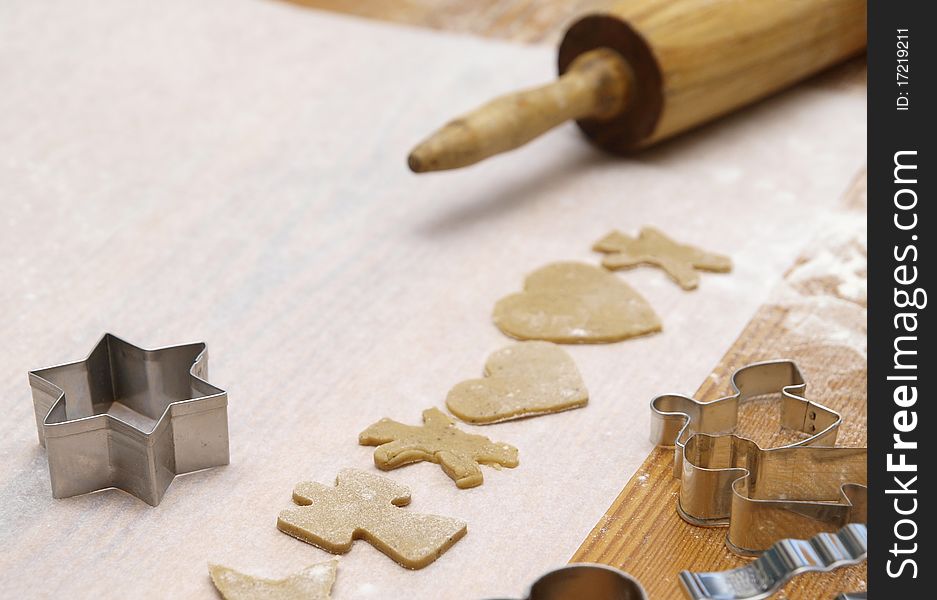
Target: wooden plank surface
[(814, 318), (516, 20)]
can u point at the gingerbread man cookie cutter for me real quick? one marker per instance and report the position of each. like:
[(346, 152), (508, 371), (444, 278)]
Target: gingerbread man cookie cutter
[(762, 495)]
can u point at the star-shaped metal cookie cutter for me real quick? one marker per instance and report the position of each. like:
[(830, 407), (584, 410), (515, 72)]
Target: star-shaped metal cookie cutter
[(129, 418), (762, 495)]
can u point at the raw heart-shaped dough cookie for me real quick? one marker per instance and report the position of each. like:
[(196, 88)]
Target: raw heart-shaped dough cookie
[(522, 380), (575, 303)]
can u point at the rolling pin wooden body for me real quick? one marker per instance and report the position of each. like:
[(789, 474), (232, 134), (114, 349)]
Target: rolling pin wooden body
[(664, 68)]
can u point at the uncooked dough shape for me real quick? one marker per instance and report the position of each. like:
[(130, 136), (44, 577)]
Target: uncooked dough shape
[(575, 303), (366, 506), (681, 262), (312, 583), (522, 380), (438, 440)]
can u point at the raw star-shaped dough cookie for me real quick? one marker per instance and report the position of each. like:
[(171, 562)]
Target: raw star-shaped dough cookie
[(652, 247), (312, 583), (575, 303), (522, 380), (439, 441), (365, 506)]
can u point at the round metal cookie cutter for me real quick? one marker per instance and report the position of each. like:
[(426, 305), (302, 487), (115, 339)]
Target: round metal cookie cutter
[(586, 581)]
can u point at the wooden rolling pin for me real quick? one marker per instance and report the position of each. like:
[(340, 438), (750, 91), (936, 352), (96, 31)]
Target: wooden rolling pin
[(650, 69)]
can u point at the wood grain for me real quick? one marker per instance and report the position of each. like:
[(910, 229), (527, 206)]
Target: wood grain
[(642, 533), (695, 61), (516, 20), (690, 62)]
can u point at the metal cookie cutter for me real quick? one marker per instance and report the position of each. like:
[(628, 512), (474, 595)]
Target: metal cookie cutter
[(784, 560), (777, 493), (586, 581), (129, 418), (794, 490), (675, 418)]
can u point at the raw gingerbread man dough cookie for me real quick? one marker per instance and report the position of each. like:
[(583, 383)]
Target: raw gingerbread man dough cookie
[(521, 380), (652, 247), (439, 441), (575, 303), (312, 583), (365, 506)]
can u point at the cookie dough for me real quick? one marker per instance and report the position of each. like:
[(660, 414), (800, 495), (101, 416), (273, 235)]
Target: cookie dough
[(523, 380), (652, 247), (312, 583), (439, 441), (575, 303), (365, 506)]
